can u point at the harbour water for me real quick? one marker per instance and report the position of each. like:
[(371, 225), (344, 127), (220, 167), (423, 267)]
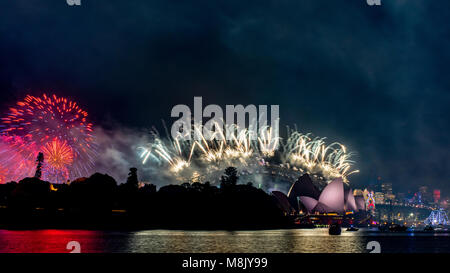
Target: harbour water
[(262, 241)]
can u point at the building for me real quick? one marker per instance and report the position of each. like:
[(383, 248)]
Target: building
[(380, 198), (370, 201), (386, 188), (334, 198), (358, 192), (436, 196), (426, 197), (401, 198)]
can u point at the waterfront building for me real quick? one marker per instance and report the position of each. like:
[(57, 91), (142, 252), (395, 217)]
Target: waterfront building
[(379, 198)]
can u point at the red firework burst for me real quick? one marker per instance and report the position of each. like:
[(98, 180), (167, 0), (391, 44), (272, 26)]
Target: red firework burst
[(50, 124), (58, 154)]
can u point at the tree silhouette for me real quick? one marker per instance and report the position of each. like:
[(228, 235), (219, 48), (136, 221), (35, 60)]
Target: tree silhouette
[(132, 179), (40, 162), (230, 178), (98, 202)]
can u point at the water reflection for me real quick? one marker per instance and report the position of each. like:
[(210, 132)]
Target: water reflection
[(269, 241), (50, 241), (263, 241)]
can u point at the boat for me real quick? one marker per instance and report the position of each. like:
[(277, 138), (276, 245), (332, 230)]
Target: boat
[(335, 229), (440, 227), (352, 229)]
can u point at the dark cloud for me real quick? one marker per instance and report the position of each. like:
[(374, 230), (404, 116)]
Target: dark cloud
[(374, 78)]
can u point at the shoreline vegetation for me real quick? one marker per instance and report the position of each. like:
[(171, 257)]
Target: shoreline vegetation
[(98, 202)]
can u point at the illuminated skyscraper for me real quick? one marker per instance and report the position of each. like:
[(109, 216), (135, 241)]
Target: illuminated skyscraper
[(386, 188), (379, 198), (436, 196)]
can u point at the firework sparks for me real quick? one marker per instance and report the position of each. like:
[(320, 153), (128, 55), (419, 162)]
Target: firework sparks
[(58, 154), (209, 154), (51, 124), (268, 142), (331, 161)]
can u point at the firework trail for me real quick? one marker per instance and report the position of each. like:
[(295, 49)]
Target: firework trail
[(267, 142), (53, 125), (17, 158), (209, 155), (315, 156)]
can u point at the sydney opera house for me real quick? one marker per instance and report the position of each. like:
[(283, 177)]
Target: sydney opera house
[(305, 198)]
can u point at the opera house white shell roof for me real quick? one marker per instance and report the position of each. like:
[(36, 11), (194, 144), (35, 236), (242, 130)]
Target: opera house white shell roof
[(350, 202), (333, 198)]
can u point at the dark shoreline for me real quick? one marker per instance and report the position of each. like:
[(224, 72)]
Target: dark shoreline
[(16, 220), (100, 203), (97, 227)]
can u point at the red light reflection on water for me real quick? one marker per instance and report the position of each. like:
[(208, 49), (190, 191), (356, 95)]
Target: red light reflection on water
[(49, 241)]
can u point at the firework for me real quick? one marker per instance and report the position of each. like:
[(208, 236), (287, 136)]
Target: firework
[(53, 125), (167, 151), (58, 158), (208, 155), (268, 142), (315, 156), (173, 156), (58, 154), (17, 157)]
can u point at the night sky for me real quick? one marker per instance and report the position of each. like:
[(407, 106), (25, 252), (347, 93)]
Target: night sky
[(373, 78)]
